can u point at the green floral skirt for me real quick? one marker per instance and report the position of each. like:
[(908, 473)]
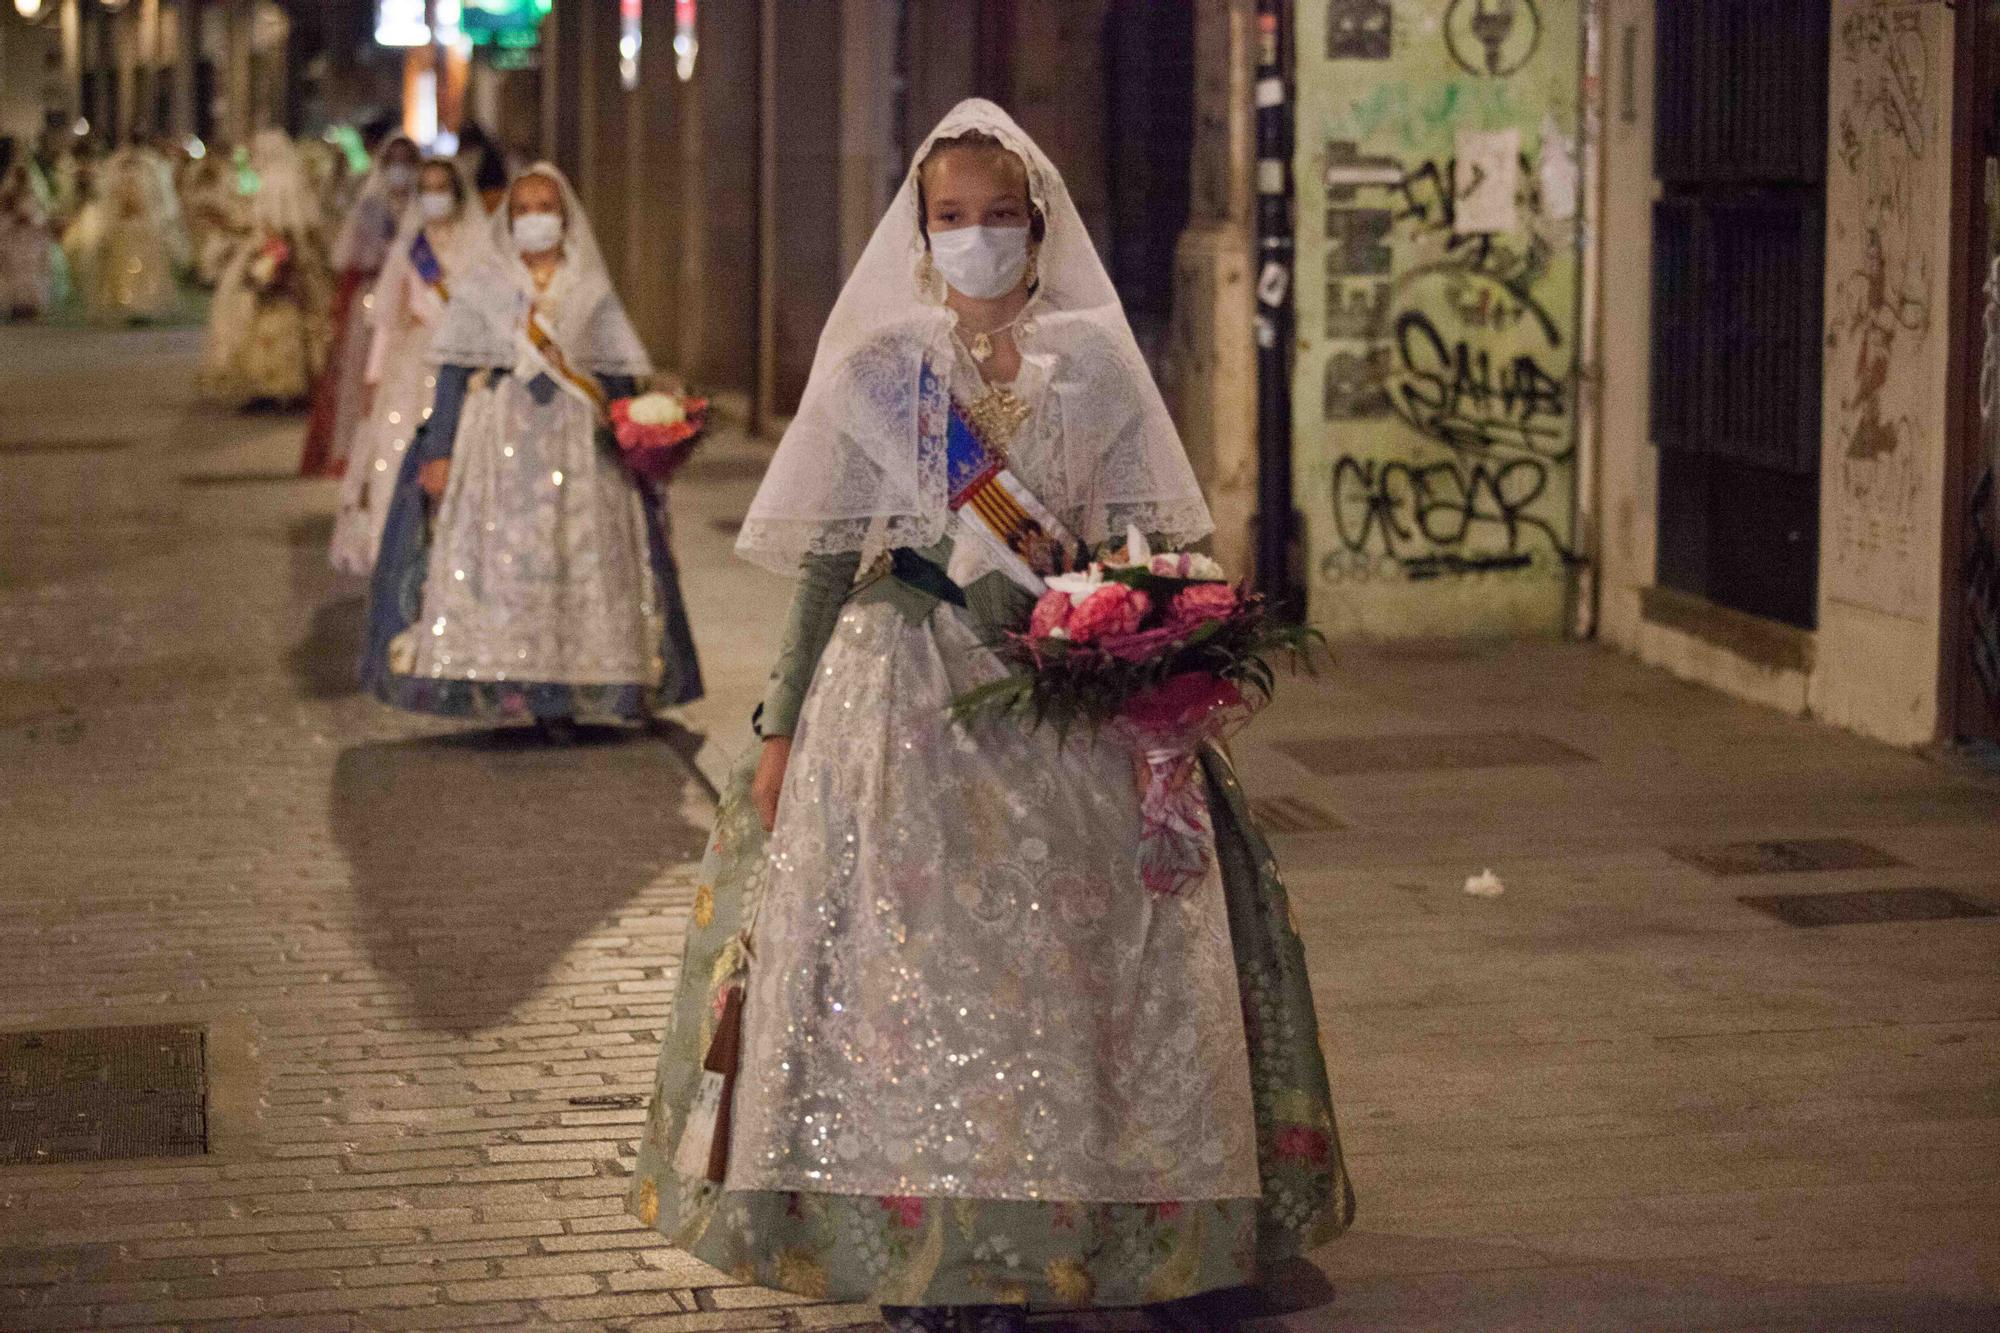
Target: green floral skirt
[(961, 1251)]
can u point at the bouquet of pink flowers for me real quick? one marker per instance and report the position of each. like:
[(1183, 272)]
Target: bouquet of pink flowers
[(1164, 653), (657, 432)]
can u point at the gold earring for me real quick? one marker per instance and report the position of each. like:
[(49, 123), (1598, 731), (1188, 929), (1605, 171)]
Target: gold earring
[(1034, 274), (927, 276)]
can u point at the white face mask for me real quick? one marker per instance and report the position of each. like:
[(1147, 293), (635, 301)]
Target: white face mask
[(537, 233), (981, 262), (437, 205), (399, 175)]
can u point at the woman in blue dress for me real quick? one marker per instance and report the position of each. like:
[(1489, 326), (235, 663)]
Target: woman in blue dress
[(525, 572)]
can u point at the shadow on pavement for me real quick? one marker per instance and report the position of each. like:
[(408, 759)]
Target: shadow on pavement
[(267, 477), (1547, 1288), (326, 662), (478, 859)]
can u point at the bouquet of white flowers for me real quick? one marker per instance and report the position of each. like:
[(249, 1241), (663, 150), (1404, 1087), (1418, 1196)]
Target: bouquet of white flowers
[(657, 432)]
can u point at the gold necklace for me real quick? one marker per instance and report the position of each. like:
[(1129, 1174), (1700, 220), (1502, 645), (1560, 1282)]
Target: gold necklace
[(981, 345), (995, 416)]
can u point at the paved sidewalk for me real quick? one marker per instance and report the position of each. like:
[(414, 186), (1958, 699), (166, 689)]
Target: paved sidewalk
[(434, 962)]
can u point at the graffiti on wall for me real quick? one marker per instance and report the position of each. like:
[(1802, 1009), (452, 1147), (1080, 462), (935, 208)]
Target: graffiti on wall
[(1357, 29), (1888, 194), (1493, 37), (1436, 424)]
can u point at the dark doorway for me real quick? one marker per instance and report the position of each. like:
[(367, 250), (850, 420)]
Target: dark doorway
[(1149, 141), (1738, 268), (1972, 591)]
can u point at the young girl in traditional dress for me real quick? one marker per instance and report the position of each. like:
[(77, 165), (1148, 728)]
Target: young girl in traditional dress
[(30, 260), (982, 1068), (359, 252), (143, 244), (217, 213), (525, 573), (443, 235), (270, 322)]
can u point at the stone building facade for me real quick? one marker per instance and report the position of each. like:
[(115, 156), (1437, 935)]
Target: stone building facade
[(216, 68), (1704, 384), (1631, 319), (1852, 581)]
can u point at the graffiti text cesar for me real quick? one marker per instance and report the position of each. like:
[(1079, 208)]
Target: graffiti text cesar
[(1454, 343)]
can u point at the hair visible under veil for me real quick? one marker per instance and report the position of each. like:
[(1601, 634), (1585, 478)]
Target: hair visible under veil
[(370, 203), (587, 319), (852, 469)]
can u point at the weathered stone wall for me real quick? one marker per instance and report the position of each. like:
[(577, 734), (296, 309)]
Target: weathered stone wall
[(1888, 236)]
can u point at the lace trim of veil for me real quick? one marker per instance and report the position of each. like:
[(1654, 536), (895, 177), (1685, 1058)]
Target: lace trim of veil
[(587, 318), (853, 469)]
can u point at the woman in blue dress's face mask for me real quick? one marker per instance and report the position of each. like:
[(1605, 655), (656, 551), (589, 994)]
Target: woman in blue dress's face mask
[(535, 219)]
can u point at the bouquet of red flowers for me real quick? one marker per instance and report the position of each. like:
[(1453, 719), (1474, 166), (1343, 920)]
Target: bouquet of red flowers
[(271, 267), (657, 432), (1166, 654)]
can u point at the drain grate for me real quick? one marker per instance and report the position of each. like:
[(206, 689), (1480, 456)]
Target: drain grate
[(1868, 906), (1794, 857), (94, 1094), (1289, 814), (1427, 750), (611, 1101)]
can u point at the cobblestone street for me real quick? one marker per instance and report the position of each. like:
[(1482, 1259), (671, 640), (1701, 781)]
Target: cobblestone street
[(433, 961)]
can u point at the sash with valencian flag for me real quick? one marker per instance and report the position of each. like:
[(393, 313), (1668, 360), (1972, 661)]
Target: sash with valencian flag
[(424, 261), (1025, 540)]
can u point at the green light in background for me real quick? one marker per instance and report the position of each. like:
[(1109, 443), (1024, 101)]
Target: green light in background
[(509, 23)]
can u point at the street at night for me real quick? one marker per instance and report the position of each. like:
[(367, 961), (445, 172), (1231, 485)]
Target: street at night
[(433, 959), (1000, 666)]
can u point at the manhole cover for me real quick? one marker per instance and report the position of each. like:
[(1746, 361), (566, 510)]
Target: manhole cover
[(1289, 814), (1793, 857), (92, 1094), (1403, 754), (1868, 906)]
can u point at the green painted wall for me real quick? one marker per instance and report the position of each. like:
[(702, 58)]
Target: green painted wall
[(1435, 390)]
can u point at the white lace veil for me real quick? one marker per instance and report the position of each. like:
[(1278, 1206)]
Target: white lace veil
[(285, 200), (850, 471), (461, 250), (581, 310), (353, 243), (153, 180)]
